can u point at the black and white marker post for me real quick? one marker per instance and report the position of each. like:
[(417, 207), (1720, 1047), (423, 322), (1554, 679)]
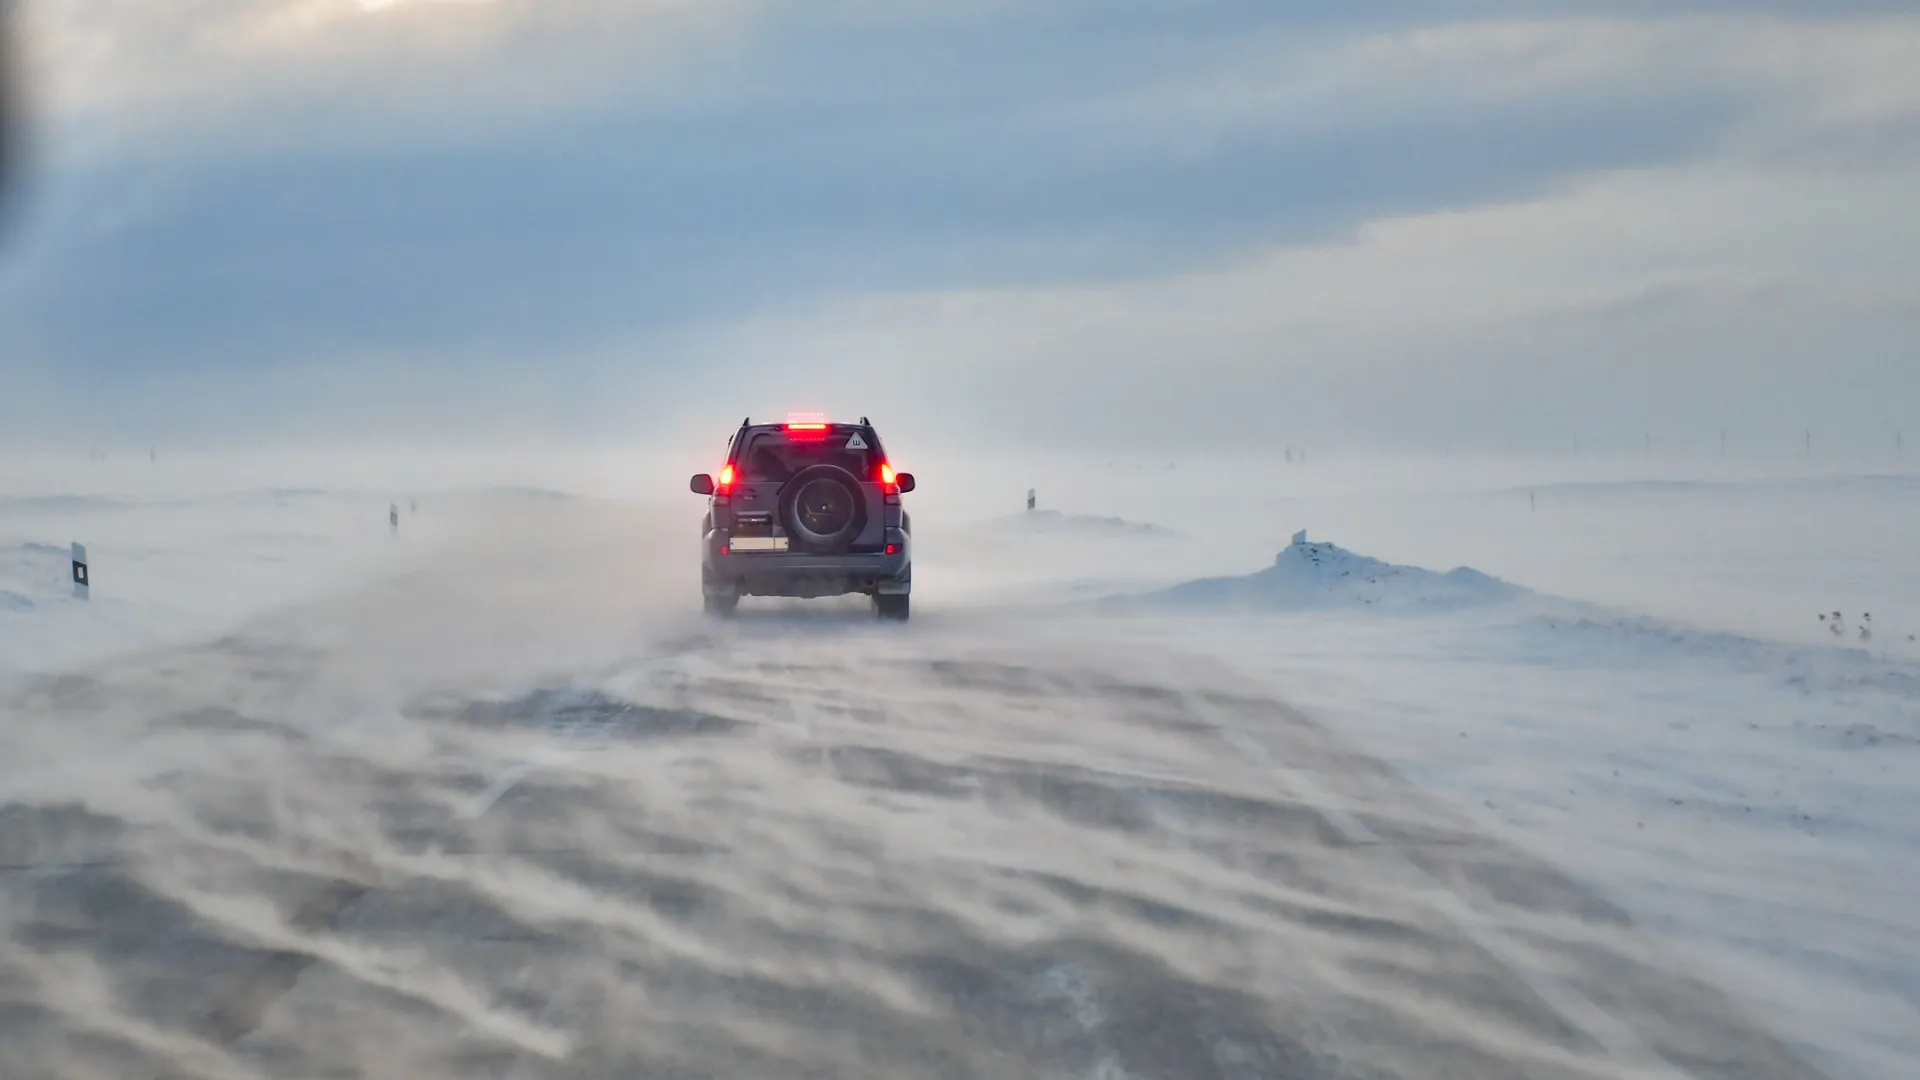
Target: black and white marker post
[(82, 581)]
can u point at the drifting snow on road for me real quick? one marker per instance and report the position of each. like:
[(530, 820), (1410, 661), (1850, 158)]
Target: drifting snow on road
[(797, 846), (519, 812)]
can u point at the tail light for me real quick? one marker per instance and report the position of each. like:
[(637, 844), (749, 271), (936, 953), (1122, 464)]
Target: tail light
[(723, 484), (806, 431)]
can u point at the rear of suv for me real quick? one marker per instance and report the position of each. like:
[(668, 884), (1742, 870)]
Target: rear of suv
[(806, 508)]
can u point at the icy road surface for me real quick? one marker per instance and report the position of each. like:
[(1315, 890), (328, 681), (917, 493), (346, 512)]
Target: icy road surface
[(485, 822)]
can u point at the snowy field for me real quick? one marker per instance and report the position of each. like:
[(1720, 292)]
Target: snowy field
[(1144, 790)]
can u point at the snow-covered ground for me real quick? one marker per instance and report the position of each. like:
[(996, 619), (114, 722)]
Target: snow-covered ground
[(1640, 679), (1626, 675), (171, 570), (1758, 803)]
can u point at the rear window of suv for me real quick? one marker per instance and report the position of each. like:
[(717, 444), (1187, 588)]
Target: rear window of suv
[(772, 456)]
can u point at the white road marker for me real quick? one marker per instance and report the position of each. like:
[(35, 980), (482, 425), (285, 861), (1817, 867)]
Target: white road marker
[(82, 574)]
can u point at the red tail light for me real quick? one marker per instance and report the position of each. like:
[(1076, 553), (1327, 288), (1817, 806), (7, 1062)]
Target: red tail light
[(724, 483), (806, 431), (886, 474)]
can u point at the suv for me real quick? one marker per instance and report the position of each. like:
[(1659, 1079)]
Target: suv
[(806, 508)]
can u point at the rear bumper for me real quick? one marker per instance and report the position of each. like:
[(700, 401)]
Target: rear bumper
[(757, 573)]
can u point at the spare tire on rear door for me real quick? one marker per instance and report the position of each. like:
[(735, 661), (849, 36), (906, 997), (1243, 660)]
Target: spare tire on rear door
[(823, 509)]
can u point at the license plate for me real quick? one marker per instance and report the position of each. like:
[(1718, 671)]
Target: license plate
[(759, 543)]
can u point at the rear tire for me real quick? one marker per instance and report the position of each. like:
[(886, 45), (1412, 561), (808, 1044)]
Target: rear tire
[(793, 508), (891, 606)]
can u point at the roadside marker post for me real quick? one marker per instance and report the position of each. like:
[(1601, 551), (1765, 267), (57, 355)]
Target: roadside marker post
[(82, 576)]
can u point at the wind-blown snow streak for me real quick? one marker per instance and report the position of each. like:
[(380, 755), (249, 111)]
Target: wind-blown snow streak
[(1715, 784), (435, 830), (1055, 523)]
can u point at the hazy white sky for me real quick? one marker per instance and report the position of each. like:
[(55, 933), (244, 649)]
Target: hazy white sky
[(1173, 221)]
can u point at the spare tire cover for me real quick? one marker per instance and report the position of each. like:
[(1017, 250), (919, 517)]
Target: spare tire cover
[(823, 509)]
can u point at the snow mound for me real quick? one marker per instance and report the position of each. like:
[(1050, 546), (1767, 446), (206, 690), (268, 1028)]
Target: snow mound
[(30, 575), (1309, 575), (1055, 523)]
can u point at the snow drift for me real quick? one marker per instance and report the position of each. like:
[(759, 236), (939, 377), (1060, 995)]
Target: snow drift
[(1055, 523), (32, 574), (1308, 575)]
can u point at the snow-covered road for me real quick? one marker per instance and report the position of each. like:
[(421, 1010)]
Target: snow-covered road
[(795, 845), (511, 807)]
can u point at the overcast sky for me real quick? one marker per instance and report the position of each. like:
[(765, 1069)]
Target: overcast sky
[(1179, 222)]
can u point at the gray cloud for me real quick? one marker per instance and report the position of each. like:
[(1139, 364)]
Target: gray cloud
[(459, 208)]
